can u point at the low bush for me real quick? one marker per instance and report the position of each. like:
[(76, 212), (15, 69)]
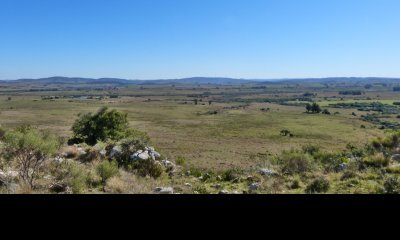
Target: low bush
[(392, 185), (148, 168), (295, 162), (107, 170), (376, 161), (319, 185)]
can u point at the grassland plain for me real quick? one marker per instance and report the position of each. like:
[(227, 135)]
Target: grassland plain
[(233, 137)]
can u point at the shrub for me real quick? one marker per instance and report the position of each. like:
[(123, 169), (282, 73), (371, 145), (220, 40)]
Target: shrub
[(107, 170), (393, 170), (319, 185), (201, 190), (377, 161), (2, 133), (181, 161), (311, 149), (294, 162), (76, 178), (392, 185), (230, 175), (148, 168), (29, 148), (101, 126)]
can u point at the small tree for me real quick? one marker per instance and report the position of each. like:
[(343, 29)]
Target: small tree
[(29, 148), (105, 124), (196, 102), (315, 108), (308, 107)]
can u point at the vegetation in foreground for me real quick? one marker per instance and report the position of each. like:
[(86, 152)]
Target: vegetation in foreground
[(104, 155)]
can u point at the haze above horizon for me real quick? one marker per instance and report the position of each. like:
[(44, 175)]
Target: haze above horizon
[(157, 39)]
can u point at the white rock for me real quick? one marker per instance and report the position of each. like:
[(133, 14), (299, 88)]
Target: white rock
[(254, 186), (268, 172), (162, 190), (396, 157), (143, 156), (223, 192), (59, 159), (103, 152), (115, 151), (168, 164)]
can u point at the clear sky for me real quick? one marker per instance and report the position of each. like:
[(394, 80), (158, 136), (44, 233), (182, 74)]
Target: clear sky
[(151, 39)]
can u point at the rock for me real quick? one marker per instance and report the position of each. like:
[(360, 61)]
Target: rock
[(59, 159), (223, 192), (154, 155), (268, 172), (103, 153), (219, 178), (168, 164), (59, 187), (188, 173), (115, 151), (254, 187), (396, 158), (140, 155), (188, 185), (81, 151), (162, 190), (342, 167), (143, 156)]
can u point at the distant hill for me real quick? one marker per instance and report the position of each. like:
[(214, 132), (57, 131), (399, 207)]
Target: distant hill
[(190, 81)]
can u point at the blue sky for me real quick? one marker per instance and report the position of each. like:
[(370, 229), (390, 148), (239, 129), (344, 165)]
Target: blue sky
[(151, 39)]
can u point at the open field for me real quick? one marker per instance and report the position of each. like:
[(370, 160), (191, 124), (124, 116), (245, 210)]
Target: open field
[(232, 137), (221, 137)]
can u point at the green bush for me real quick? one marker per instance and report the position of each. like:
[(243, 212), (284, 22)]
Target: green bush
[(319, 185), (201, 190), (376, 161), (180, 161), (392, 185), (107, 170), (29, 148), (103, 125), (148, 168), (230, 175), (311, 149), (295, 162)]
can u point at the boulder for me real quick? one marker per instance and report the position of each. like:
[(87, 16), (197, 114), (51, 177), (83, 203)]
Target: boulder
[(396, 158), (143, 156), (164, 190), (103, 153), (168, 164), (140, 155), (223, 192), (342, 167), (115, 151), (254, 187), (154, 155), (267, 172), (59, 159)]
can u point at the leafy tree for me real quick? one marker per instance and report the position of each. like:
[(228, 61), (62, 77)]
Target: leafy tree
[(315, 108), (308, 107), (105, 124), (29, 148)]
